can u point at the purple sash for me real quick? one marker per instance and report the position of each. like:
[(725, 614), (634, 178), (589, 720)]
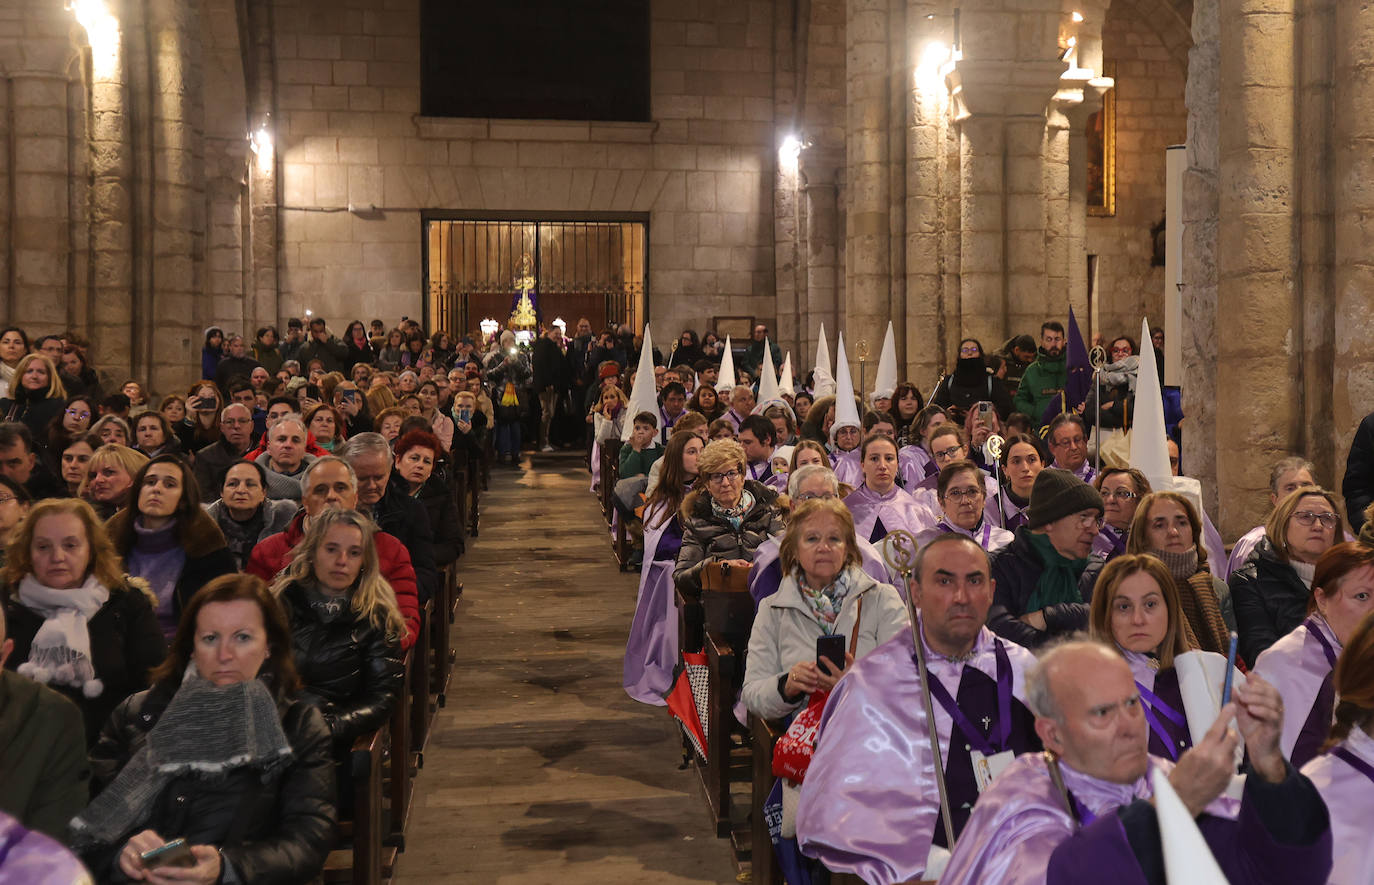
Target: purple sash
[(1327, 650), (975, 737), (1354, 762), (1154, 707)]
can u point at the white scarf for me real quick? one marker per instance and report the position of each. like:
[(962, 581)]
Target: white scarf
[(61, 650)]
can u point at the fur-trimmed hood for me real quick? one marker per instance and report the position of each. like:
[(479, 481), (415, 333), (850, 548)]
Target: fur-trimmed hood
[(200, 537)]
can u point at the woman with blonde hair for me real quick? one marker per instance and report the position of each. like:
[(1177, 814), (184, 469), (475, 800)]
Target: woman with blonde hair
[(110, 478), (36, 395), (346, 628), (379, 398)]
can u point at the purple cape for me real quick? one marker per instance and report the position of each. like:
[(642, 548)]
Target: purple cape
[(869, 804), (847, 468), (1349, 796), (652, 650), (1109, 543), (896, 509), (985, 534), (914, 464), (32, 858), (766, 574), (1296, 665)]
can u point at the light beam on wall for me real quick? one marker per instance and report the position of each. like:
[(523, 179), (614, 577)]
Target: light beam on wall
[(790, 150), (260, 142), (930, 72), (102, 33)]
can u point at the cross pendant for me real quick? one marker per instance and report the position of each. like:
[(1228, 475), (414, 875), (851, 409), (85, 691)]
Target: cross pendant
[(987, 722)]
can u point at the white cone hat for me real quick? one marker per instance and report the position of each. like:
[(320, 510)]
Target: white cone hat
[(823, 381), (725, 381), (885, 382), (785, 384), (643, 396), (846, 412), (768, 380), (1187, 858), (1149, 441)]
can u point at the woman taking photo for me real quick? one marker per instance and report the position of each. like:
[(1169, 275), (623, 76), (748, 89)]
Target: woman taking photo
[(167, 539), (417, 453), (1271, 590), (1167, 527), (77, 624), (36, 395), (345, 627), (220, 751), (1300, 664), (244, 513), (878, 505), (205, 404)]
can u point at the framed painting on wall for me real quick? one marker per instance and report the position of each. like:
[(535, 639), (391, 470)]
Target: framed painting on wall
[(738, 328), (1101, 135)]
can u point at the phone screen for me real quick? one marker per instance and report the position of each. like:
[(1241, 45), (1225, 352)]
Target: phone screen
[(465, 415), (831, 647), (171, 854)]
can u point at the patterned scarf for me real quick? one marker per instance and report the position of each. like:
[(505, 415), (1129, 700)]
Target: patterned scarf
[(734, 515), (826, 601)]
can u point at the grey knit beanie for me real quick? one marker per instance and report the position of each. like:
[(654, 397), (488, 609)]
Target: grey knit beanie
[(1057, 494)]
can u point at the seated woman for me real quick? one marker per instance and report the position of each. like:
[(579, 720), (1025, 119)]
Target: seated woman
[(416, 454), (389, 421), (1345, 772), (1022, 459), (1136, 607), (727, 521), (326, 425), (469, 427), (244, 513), (110, 478), (36, 395), (947, 443), (14, 506), (1287, 476), (440, 424), (692, 423), (962, 495), (74, 461), (167, 539), (819, 420), (205, 402), (824, 592), (112, 430), (77, 624), (154, 435), (919, 461), (220, 751), (1271, 591), (608, 416), (906, 402), (652, 650), (1121, 489), (75, 420), (345, 626), (1167, 527), (879, 507), (1300, 664)]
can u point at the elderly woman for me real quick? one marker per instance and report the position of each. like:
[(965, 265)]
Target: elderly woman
[(1136, 607), (728, 520), (1300, 664), (962, 495), (824, 592), (243, 511), (220, 751), (110, 478), (112, 430), (1166, 526), (1286, 477), (1271, 590), (165, 538), (416, 455), (76, 623), (153, 435), (1121, 489), (1344, 774), (878, 505), (326, 425), (36, 395)]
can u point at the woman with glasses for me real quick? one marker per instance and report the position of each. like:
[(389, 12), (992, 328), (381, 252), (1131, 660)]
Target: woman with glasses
[(728, 520), (1167, 527), (962, 496), (971, 383), (1300, 664), (1112, 397), (947, 444), (878, 505), (73, 422), (1271, 590), (1121, 489)]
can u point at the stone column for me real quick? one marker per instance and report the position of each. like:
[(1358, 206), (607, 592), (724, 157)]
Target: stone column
[(1258, 310), (1068, 132), (820, 250), (868, 279), (263, 283)]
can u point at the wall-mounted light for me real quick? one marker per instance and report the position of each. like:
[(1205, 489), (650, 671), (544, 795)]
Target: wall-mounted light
[(488, 327), (260, 143), (102, 32), (789, 151), (930, 70), (1077, 16)]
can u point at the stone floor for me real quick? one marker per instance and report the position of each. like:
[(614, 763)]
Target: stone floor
[(540, 769)]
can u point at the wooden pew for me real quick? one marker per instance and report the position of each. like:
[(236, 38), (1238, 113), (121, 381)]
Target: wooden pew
[(398, 768), (441, 650), (764, 733), (361, 856)]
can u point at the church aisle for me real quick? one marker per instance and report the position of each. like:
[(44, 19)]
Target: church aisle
[(541, 769)]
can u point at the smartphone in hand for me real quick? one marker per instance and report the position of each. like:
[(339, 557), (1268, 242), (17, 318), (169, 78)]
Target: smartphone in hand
[(831, 647), (169, 854)]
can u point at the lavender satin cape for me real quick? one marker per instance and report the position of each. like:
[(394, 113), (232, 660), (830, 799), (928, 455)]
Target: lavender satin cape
[(985, 535), (847, 468), (897, 509), (31, 858), (651, 652), (869, 804), (1000, 508), (1109, 542), (1021, 819), (1296, 666), (1349, 797), (916, 466), (766, 575)]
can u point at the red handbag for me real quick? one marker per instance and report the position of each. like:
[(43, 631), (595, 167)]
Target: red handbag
[(792, 753)]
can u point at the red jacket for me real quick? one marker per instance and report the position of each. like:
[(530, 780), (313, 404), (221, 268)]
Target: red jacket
[(273, 553)]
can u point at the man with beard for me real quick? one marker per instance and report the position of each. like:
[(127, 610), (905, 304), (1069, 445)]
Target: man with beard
[(1044, 378)]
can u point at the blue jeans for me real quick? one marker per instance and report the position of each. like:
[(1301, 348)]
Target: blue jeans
[(508, 439)]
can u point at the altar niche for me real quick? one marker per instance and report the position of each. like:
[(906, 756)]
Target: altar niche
[(479, 268)]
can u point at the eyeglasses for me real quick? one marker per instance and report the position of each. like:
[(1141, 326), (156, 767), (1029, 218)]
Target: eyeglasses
[(816, 496), (1119, 495), (727, 476), (967, 493), (1075, 442), (7, 499), (969, 350), (1088, 520), (78, 415), (949, 454), (1307, 517)]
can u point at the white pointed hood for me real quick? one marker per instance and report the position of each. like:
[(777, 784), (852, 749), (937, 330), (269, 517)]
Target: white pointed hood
[(768, 381), (725, 381), (1149, 441), (885, 382), (785, 385), (643, 396), (846, 412), (823, 381), (1187, 857)]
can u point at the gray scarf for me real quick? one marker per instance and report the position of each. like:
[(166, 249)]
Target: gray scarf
[(207, 731)]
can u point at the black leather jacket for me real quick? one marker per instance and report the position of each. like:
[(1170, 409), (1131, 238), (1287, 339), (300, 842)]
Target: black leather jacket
[(1269, 598), (1016, 568), (284, 832), (350, 669), (707, 537)]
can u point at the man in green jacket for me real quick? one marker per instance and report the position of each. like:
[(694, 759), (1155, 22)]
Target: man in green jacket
[(44, 774), (1044, 379)]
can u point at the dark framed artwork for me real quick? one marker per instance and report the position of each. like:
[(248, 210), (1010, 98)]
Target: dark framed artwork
[(738, 328), (1101, 137)]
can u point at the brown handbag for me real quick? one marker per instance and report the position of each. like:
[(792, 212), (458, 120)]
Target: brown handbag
[(726, 600)]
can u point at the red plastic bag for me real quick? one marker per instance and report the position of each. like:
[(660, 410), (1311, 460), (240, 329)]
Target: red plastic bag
[(792, 752)]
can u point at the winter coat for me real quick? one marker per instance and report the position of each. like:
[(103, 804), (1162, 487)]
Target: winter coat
[(1358, 484), (332, 354), (242, 537), (207, 555), (356, 354), (786, 629), (274, 554), (707, 537), (350, 669), (211, 462), (407, 520), (286, 831), (550, 365), (126, 642), (1016, 568), (1042, 382), (444, 521), (35, 411), (270, 357), (42, 754), (1269, 598), (209, 362), (234, 367), (951, 393)]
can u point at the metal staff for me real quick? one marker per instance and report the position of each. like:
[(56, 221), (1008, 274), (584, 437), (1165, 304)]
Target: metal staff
[(900, 555), (993, 447), (1097, 358)]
